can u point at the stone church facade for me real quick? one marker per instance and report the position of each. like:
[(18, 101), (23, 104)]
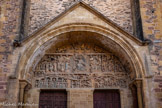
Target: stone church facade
[(81, 54)]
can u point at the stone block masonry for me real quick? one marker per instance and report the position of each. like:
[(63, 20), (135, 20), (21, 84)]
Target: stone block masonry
[(9, 27), (80, 98), (42, 11), (151, 12)]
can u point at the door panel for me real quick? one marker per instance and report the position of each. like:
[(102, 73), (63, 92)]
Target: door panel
[(53, 99), (106, 99)]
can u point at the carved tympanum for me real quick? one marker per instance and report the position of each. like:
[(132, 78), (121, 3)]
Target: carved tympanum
[(81, 66)]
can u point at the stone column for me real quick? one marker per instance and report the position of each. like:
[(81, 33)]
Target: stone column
[(26, 89), (134, 94), (122, 97), (22, 85), (138, 84), (80, 98)]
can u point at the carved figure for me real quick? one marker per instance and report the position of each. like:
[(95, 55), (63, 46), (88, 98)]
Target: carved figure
[(80, 66)]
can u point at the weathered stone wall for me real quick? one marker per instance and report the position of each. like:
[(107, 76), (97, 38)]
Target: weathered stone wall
[(117, 10), (42, 11), (9, 23), (80, 98), (151, 12)]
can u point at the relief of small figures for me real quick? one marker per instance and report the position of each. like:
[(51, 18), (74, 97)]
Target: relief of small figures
[(110, 81), (71, 67), (79, 63), (51, 82), (95, 63)]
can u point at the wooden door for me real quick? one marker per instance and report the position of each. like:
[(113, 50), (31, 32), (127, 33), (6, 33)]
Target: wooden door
[(106, 99), (53, 99)]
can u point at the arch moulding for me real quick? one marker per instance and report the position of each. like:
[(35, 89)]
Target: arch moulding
[(90, 26), (35, 47)]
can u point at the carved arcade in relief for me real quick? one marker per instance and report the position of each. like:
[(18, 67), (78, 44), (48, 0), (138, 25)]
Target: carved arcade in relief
[(76, 67)]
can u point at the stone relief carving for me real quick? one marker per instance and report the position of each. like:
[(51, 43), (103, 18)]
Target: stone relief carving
[(79, 63), (51, 82), (79, 70), (105, 81), (80, 81)]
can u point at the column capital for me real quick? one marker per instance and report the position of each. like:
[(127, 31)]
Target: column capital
[(23, 84), (138, 83)]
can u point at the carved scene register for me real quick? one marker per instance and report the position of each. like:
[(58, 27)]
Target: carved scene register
[(79, 66)]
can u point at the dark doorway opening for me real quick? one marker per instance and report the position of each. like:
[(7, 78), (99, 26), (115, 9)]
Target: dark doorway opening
[(106, 99), (53, 99)]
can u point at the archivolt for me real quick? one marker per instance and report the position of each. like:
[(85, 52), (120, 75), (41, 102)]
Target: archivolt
[(36, 45)]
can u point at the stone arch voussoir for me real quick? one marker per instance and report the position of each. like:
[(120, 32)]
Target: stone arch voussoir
[(37, 44)]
